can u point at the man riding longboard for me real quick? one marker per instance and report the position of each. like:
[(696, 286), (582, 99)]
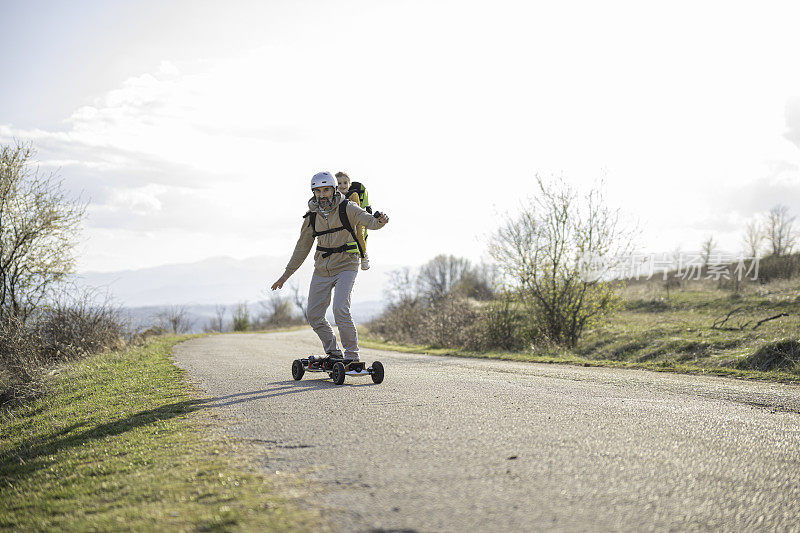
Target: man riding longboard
[(331, 219)]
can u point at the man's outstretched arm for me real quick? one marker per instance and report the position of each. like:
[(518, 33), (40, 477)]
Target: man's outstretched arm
[(368, 220), (301, 249)]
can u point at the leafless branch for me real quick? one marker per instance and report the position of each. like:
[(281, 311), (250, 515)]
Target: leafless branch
[(720, 323), (770, 318)]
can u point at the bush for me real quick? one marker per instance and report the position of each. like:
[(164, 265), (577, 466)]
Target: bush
[(72, 330), (21, 360), (448, 323), (775, 267), (241, 317), (557, 255), (39, 227), (455, 322), (400, 322), (59, 333), (502, 326)]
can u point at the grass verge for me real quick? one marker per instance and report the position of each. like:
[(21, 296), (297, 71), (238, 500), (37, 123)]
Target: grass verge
[(119, 442), (699, 329), (567, 358)]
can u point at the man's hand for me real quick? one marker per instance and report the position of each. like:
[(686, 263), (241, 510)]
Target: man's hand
[(383, 218), (278, 284)]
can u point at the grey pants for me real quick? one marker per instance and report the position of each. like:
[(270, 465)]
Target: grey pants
[(319, 298)]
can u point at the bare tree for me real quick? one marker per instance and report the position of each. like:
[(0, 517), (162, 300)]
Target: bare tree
[(676, 255), (405, 313), (218, 322), (276, 311), (401, 286), (779, 231), (39, 226), (672, 282), (707, 249), (753, 237), (175, 319), (542, 250), (441, 275), (671, 279), (219, 317), (300, 300)]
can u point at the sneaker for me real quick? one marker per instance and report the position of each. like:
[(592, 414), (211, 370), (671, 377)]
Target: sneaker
[(351, 358), (365, 262)]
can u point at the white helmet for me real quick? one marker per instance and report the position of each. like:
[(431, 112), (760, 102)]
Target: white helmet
[(323, 179)]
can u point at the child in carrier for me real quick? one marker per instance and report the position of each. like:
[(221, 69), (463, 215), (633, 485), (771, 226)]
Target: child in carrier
[(356, 193)]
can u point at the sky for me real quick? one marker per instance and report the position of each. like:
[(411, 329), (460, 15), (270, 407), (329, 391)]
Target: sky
[(193, 128)]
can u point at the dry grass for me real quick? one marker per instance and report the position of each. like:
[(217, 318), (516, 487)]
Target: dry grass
[(686, 331), (62, 332)]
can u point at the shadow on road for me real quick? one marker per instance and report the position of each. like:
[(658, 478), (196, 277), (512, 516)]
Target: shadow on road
[(34, 454), (279, 388)]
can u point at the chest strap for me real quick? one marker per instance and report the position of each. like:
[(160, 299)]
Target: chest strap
[(350, 247)]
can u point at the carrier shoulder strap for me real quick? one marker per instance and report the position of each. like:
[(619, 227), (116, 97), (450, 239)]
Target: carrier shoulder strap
[(358, 188), (346, 224), (312, 221), (363, 198)]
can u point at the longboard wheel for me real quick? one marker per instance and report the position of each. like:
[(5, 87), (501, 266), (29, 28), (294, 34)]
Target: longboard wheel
[(377, 372), (298, 370), (338, 373)]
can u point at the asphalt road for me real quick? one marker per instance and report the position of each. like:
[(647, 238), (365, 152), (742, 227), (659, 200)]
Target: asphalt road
[(451, 444)]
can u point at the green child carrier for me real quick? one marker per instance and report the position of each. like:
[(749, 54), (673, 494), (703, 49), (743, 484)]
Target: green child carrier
[(363, 198)]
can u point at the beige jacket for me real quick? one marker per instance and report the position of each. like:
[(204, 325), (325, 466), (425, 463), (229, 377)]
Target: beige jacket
[(337, 262)]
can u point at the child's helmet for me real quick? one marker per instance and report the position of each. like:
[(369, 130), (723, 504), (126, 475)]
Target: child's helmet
[(323, 179)]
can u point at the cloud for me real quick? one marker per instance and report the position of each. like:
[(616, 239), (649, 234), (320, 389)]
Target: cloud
[(171, 150), (780, 186), (143, 201), (174, 128), (157, 208), (103, 174), (226, 145), (718, 222)]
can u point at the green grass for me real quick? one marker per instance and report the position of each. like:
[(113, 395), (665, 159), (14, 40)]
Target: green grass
[(120, 442), (676, 334)]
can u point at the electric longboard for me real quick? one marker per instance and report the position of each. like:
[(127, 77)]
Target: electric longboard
[(337, 368)]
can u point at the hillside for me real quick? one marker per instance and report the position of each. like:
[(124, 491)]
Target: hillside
[(755, 329), (697, 327)]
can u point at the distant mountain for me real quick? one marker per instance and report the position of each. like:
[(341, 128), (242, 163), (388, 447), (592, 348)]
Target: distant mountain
[(199, 316), (218, 280), (225, 281)]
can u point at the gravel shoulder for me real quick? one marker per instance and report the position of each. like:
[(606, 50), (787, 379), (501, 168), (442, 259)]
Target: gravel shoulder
[(449, 444)]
